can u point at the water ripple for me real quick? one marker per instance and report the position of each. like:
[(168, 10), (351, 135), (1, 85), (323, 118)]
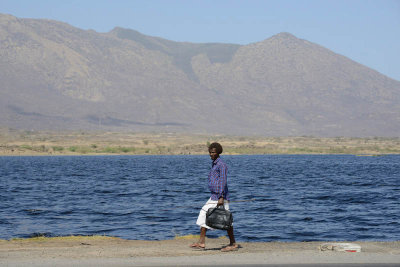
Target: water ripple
[(297, 198)]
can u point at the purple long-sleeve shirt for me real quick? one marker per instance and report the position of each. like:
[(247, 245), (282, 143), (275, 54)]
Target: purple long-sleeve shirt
[(218, 180)]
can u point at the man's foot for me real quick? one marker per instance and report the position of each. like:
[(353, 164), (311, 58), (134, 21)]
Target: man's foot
[(198, 246), (229, 248)]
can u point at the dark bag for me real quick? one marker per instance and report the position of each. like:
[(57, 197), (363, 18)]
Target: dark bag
[(219, 218)]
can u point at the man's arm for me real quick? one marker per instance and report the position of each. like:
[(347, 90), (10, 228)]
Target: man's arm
[(220, 201), (221, 184)]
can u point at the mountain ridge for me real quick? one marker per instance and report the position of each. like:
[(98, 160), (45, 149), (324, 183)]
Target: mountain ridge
[(56, 76)]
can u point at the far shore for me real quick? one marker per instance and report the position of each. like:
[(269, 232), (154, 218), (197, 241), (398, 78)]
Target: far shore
[(35, 143), (112, 251), (147, 154)]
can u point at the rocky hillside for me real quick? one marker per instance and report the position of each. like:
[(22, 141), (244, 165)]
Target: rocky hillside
[(56, 77)]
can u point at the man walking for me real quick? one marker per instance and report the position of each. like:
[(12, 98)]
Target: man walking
[(218, 185)]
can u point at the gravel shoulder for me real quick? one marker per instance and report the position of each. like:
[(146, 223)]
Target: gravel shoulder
[(106, 251)]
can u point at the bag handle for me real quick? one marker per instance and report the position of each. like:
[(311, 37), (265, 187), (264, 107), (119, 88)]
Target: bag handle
[(222, 207), (217, 207)]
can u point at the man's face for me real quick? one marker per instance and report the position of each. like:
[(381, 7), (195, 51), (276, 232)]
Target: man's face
[(213, 153)]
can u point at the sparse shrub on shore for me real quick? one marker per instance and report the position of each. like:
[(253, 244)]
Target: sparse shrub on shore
[(17, 143)]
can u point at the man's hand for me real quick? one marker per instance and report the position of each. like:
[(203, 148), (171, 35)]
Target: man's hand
[(220, 201)]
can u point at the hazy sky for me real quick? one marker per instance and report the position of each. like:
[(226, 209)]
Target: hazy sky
[(364, 30)]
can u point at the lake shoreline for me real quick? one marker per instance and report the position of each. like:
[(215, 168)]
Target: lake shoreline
[(32, 143), (38, 154), (225, 154), (106, 251)]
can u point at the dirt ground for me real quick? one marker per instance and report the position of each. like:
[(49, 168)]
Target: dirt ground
[(24, 143), (110, 251)]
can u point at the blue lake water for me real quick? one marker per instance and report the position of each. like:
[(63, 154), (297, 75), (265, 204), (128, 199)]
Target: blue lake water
[(297, 197)]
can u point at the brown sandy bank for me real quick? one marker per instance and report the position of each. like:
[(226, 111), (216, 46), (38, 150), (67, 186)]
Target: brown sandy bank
[(35, 143), (109, 251)]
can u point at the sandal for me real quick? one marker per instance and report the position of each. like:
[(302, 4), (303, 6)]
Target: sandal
[(198, 246), (230, 248)]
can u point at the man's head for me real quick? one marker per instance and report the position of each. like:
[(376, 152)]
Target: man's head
[(215, 149)]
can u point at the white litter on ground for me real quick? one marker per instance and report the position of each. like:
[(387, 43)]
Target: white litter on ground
[(346, 247)]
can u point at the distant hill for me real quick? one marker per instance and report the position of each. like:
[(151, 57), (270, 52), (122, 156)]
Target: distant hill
[(57, 77)]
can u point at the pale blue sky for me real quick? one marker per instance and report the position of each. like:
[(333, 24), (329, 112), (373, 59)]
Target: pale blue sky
[(367, 31)]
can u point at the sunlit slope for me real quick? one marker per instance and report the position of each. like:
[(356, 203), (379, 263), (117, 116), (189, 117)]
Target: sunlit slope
[(55, 76)]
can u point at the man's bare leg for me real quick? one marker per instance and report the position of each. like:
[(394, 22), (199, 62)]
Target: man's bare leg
[(202, 240), (232, 243), (231, 236)]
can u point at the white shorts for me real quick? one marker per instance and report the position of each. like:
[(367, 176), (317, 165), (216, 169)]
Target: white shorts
[(201, 220)]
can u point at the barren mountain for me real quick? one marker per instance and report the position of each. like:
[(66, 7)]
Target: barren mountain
[(56, 77)]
